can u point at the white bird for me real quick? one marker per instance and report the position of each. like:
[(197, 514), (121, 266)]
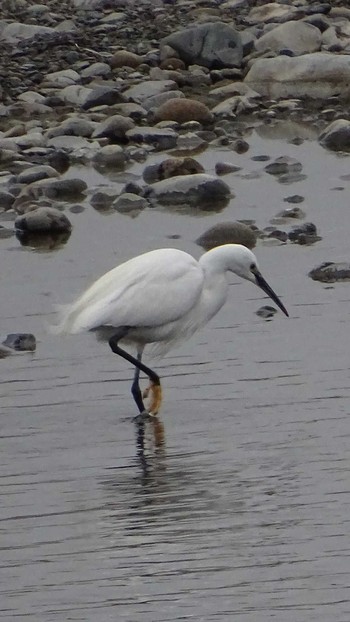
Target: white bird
[(160, 298)]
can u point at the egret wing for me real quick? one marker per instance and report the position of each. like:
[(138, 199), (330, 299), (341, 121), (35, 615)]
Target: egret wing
[(150, 290)]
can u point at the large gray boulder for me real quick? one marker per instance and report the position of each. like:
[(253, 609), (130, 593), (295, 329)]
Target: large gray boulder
[(271, 12), (318, 75), (298, 37), (17, 32), (214, 45)]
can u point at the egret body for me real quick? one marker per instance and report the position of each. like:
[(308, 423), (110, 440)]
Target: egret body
[(159, 298)]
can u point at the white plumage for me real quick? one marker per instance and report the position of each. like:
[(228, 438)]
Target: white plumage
[(160, 297)]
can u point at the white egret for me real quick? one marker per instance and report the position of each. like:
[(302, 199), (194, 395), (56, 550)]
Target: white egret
[(159, 298)]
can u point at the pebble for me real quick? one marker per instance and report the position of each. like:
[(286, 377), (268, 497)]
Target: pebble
[(266, 312)]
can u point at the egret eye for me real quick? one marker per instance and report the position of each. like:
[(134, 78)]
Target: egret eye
[(253, 267)]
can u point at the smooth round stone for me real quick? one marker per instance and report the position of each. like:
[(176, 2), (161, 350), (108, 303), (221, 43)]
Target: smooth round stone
[(227, 233), (129, 202), (110, 155), (35, 173), (43, 220)]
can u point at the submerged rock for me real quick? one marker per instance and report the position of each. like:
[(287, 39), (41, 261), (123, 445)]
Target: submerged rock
[(227, 233), (20, 342), (195, 190), (43, 220), (330, 272), (5, 352), (266, 312), (102, 199), (336, 136), (283, 165), (294, 198), (41, 240), (291, 212), (129, 202), (171, 167), (305, 233), (276, 234), (60, 189)]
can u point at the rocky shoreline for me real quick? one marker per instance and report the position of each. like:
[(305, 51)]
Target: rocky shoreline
[(109, 83)]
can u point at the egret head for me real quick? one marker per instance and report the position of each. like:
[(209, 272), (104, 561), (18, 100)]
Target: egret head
[(244, 263)]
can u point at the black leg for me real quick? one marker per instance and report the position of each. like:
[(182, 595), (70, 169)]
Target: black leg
[(135, 387), (154, 378)]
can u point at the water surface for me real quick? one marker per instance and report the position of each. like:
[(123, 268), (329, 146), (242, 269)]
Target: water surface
[(238, 505)]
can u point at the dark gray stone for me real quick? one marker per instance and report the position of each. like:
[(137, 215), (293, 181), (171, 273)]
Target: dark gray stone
[(330, 272), (266, 312), (198, 190), (161, 139), (214, 45), (43, 220), (20, 342), (103, 96)]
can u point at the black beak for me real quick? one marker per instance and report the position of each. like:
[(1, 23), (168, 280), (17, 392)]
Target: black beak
[(269, 291)]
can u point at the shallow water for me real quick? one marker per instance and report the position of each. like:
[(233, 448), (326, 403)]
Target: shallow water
[(236, 505)]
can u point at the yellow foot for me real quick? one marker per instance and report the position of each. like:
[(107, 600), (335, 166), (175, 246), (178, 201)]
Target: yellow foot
[(154, 391)]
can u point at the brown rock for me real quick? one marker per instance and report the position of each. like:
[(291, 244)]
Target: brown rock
[(183, 110), (123, 58)]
